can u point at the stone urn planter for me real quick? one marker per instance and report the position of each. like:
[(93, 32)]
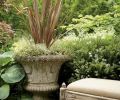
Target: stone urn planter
[(42, 73)]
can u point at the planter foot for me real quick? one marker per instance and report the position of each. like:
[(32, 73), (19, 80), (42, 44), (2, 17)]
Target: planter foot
[(41, 96)]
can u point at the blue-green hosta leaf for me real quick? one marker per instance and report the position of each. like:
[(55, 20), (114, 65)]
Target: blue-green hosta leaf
[(1, 71), (6, 57), (13, 74), (4, 91), (9, 54), (4, 60)]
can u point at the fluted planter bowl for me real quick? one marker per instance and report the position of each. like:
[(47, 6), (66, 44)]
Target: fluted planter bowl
[(42, 73)]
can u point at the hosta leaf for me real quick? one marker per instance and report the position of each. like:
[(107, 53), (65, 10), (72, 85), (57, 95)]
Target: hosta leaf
[(8, 54), (4, 91), (5, 58), (1, 71), (13, 74)]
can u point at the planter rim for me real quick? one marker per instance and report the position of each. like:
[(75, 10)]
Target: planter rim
[(44, 58)]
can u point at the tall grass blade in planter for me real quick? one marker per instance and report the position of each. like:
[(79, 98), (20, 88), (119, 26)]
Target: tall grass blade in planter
[(42, 25), (42, 70)]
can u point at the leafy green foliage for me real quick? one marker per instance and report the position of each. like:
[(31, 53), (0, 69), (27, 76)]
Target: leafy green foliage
[(13, 74), (65, 45), (9, 13), (92, 44), (72, 8), (6, 58), (98, 58), (100, 24), (10, 72), (4, 91), (93, 55), (4, 61)]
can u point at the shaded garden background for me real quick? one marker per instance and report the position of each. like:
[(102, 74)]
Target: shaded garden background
[(92, 36)]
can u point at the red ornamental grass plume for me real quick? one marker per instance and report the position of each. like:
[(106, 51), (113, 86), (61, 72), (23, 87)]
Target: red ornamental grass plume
[(42, 25)]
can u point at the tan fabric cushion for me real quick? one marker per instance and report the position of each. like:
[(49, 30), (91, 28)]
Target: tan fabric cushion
[(98, 87)]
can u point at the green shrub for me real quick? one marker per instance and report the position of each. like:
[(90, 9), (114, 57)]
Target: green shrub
[(93, 56), (97, 58), (65, 45)]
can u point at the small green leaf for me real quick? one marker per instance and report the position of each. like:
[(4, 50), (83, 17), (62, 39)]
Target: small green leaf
[(4, 91), (13, 74)]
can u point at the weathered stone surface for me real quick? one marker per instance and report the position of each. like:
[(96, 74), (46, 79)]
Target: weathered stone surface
[(42, 73), (92, 89)]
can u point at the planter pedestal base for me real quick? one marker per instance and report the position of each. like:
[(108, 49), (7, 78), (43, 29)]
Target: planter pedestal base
[(44, 87), (41, 96), (41, 91)]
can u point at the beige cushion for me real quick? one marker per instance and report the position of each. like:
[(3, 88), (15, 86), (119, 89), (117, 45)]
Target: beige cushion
[(98, 87)]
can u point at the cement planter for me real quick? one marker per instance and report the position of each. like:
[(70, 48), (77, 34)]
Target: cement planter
[(42, 73)]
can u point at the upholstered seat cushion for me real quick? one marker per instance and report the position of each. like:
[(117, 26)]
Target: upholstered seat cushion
[(98, 87)]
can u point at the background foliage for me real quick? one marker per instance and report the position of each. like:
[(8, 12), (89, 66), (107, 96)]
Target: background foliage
[(99, 24), (6, 36), (70, 9)]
